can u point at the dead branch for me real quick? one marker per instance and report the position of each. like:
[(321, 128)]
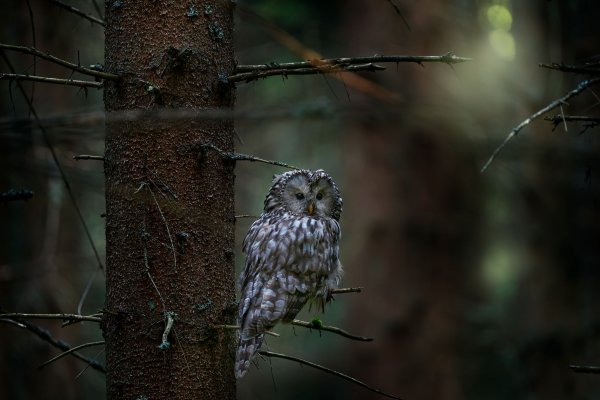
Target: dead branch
[(237, 327), (578, 69), (59, 61), (556, 103), (239, 156), (88, 157), (61, 171), (69, 351), (47, 337), (63, 317), (76, 11), (327, 370), (56, 81), (346, 290), (249, 73), (558, 119), (15, 194), (585, 369), (318, 326)]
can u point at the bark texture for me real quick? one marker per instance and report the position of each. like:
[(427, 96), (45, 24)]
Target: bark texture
[(169, 217)]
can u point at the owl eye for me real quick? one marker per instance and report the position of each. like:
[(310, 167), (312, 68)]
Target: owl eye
[(319, 196), (300, 196)]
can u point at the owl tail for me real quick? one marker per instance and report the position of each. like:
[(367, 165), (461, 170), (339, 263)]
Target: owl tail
[(245, 352)]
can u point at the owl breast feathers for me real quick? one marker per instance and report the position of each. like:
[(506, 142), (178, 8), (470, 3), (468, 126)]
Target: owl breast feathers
[(292, 256)]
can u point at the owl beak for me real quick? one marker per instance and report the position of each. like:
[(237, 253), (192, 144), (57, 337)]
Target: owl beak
[(311, 208)]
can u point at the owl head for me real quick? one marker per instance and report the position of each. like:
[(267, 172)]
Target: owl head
[(305, 192)]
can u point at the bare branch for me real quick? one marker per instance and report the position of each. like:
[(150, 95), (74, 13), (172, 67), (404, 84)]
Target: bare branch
[(88, 157), (64, 317), (46, 138), (69, 351), (76, 11), (237, 327), (323, 66), (246, 216), (332, 329), (15, 194), (578, 69), (328, 69), (59, 61), (556, 103), (239, 156), (399, 13), (558, 119), (47, 337), (325, 369), (58, 81), (346, 290), (585, 369)]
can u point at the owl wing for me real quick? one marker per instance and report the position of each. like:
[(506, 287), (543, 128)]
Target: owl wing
[(288, 261)]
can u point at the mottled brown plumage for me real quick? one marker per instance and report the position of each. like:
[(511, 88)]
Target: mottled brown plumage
[(292, 256)]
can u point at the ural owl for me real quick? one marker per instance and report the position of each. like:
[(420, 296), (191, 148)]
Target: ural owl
[(292, 256)]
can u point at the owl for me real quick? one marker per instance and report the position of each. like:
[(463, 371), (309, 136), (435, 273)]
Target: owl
[(292, 256)]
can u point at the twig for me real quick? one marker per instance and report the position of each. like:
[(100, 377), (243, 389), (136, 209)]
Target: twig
[(170, 318), (326, 69), (61, 172), (74, 10), (251, 72), (346, 290), (332, 329), (64, 317), (328, 370), (15, 194), (59, 61), (57, 81), (88, 157), (69, 351), (556, 103), (557, 119), (239, 156), (399, 13), (236, 327), (578, 69), (47, 337), (585, 369)]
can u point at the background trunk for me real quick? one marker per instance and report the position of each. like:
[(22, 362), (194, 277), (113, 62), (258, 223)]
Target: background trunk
[(169, 220)]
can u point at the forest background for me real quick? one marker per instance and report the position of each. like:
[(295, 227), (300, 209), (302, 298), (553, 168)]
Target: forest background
[(476, 285)]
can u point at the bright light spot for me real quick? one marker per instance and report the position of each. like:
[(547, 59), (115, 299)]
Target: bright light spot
[(500, 271), (503, 44), (499, 17)]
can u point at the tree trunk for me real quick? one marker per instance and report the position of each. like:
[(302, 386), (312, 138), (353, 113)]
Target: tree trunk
[(169, 218)]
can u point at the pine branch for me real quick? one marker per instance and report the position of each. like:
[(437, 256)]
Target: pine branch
[(47, 337), (59, 61), (249, 73), (88, 157), (327, 370), (70, 351), (346, 290), (318, 326), (60, 169), (578, 69), (57, 81), (239, 156), (64, 317), (78, 12), (15, 194), (554, 104), (585, 369), (559, 119)]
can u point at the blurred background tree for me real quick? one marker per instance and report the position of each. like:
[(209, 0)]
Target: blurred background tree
[(476, 285)]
